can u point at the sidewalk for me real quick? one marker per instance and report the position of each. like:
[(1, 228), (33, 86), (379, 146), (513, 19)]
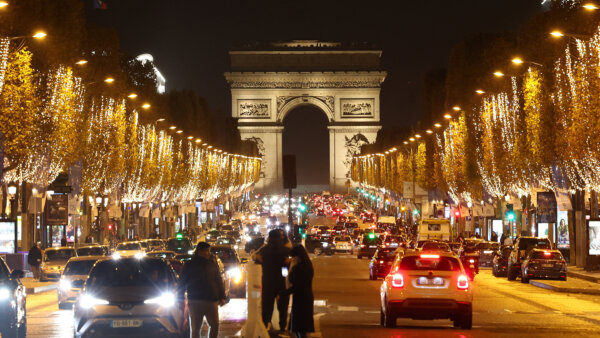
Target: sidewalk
[(572, 285), (33, 286), (582, 274)]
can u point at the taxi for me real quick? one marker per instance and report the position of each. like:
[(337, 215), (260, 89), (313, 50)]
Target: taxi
[(427, 286)]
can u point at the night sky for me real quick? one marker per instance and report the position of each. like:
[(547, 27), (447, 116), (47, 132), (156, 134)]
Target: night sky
[(189, 40)]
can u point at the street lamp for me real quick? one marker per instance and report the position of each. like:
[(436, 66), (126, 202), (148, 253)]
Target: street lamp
[(437, 125), (146, 106), (37, 35), (518, 61), (179, 131), (160, 120), (132, 96), (172, 127), (109, 80), (590, 7), (429, 131), (479, 92), (81, 62), (3, 4), (558, 34), (456, 108), (498, 74), (447, 116)]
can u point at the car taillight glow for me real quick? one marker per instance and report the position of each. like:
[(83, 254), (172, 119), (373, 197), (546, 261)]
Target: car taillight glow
[(471, 260), (546, 253), (427, 256), (380, 262), (462, 283), (397, 280)]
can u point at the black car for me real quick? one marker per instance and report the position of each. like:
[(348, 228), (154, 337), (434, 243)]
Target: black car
[(381, 262), (368, 245), (486, 252), (180, 245), (500, 262), (12, 302), (92, 250), (521, 248), (318, 244), (544, 264)]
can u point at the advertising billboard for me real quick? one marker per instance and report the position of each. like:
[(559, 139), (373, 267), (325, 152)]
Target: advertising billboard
[(7, 237), (594, 232)]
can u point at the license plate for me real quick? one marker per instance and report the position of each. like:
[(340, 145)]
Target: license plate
[(119, 323), (547, 265), (372, 246)]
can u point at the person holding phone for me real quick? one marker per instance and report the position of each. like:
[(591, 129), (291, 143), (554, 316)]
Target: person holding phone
[(273, 256)]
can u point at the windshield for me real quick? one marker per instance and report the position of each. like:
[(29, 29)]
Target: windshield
[(367, 239), (58, 255), (161, 254), (213, 233), (130, 272), (95, 251), (484, 246), (439, 264), (225, 240), (226, 228), (386, 254), (343, 239), (529, 243), (433, 246), (226, 255), (129, 246), (233, 234), (179, 244), (546, 255), (79, 267)]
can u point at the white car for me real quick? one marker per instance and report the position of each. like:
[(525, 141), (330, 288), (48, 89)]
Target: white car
[(427, 286), (343, 243), (129, 249)]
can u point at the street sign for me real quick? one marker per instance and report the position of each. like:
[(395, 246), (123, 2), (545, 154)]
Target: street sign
[(546, 210)]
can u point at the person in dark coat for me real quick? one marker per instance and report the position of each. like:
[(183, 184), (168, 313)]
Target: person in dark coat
[(273, 257), (63, 241), (299, 284), (202, 280), (35, 259)]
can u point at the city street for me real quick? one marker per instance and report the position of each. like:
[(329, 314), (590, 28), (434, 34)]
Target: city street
[(346, 304)]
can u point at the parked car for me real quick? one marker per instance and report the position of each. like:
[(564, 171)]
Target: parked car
[(521, 248), (13, 302), (544, 264)]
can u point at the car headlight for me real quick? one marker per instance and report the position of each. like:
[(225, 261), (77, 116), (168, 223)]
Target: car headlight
[(190, 252), (167, 299), (235, 274), (235, 247), (88, 301), (139, 255), (4, 293), (116, 255), (65, 284), (325, 244)]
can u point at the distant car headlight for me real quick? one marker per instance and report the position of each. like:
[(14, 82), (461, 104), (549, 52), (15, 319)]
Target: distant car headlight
[(235, 247), (65, 284), (88, 301), (190, 252), (4, 293), (287, 228), (235, 274), (167, 299)]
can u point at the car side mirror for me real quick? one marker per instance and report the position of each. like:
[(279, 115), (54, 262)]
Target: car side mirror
[(244, 260), (17, 274)]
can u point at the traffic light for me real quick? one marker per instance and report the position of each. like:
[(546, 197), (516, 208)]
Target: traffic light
[(457, 213), (302, 207), (510, 214), (110, 227)]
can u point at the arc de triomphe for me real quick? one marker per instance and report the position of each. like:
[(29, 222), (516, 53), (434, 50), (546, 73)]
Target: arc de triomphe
[(269, 82)]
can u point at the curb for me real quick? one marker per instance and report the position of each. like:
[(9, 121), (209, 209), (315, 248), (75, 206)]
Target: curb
[(583, 276), (42, 288), (564, 289)]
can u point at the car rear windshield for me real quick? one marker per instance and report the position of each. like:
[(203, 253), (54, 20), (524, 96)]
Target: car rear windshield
[(129, 246), (342, 239), (233, 234), (58, 255), (130, 272), (225, 240), (214, 233), (440, 264), (154, 242), (368, 240), (79, 267), (226, 255), (546, 255), (179, 244), (386, 254), (95, 251), (529, 243), (484, 246), (434, 246)]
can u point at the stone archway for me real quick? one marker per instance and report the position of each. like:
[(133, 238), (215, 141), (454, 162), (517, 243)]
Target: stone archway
[(263, 94)]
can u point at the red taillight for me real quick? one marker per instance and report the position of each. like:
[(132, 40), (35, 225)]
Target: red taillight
[(397, 280), (546, 253), (462, 283), (471, 260)]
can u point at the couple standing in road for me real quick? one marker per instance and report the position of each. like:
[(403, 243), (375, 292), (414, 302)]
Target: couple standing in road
[(282, 277)]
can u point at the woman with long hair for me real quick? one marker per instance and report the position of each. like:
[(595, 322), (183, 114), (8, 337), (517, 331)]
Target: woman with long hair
[(299, 284)]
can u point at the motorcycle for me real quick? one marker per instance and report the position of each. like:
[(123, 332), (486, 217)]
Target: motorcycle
[(471, 264)]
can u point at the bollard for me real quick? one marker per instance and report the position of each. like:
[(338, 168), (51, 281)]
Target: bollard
[(254, 326)]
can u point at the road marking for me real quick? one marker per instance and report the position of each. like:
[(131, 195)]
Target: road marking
[(376, 312), (347, 308), (320, 302)]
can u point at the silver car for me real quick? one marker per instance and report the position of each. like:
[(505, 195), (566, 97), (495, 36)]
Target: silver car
[(71, 282), (54, 262), (131, 297)]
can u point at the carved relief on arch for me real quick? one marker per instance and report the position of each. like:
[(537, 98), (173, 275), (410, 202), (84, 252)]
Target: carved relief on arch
[(287, 103)]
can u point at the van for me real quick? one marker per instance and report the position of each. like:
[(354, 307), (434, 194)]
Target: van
[(434, 229)]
